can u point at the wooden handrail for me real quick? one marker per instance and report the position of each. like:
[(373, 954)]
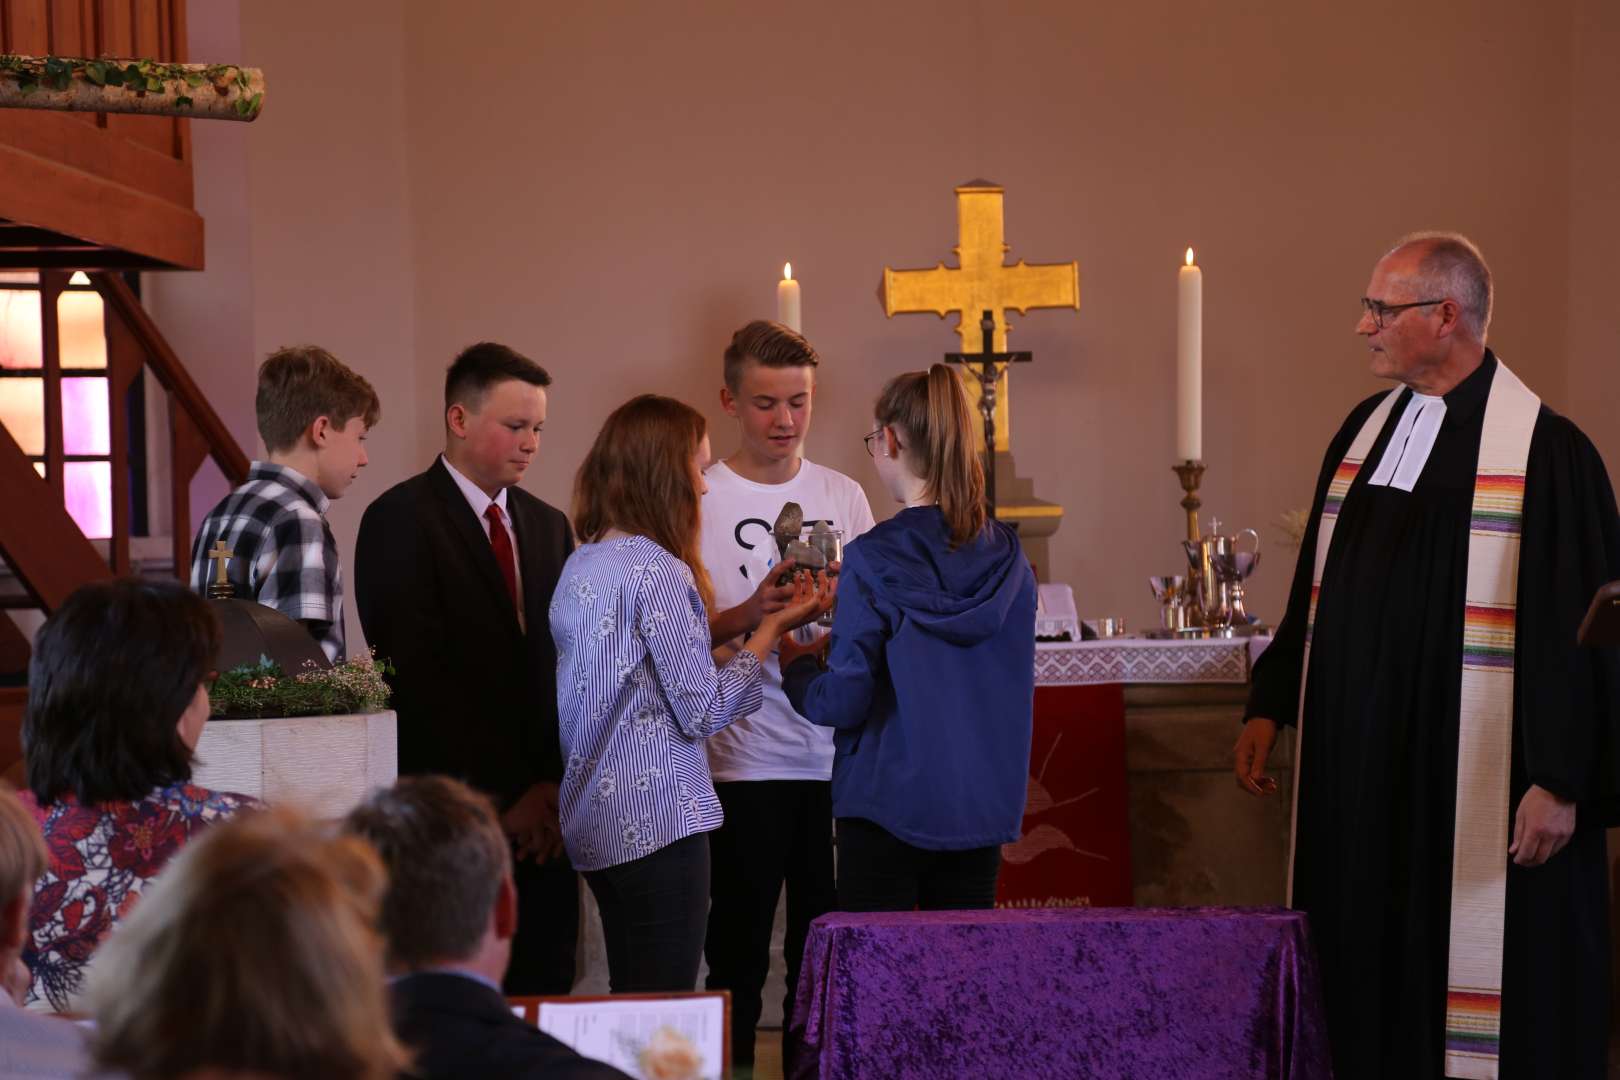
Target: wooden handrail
[(222, 446), (41, 542), (196, 432), (13, 700)]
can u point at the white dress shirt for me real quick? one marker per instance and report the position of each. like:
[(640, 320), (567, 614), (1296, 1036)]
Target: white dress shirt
[(479, 501)]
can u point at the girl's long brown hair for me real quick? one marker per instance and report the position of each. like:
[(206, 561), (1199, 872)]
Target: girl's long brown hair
[(931, 413), (639, 478)]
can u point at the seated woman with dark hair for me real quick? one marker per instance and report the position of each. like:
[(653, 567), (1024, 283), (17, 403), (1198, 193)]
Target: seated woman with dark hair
[(116, 702)]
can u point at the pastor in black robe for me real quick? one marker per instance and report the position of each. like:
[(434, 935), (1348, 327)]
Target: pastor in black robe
[(1378, 787)]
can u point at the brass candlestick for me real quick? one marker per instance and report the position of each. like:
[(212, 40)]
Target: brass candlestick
[(1191, 474)]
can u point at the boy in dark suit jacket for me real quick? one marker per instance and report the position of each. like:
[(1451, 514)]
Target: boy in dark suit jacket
[(454, 570), (448, 916)]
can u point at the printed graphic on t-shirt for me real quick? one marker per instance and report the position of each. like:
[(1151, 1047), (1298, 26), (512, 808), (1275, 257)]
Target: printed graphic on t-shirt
[(739, 550), (756, 545)]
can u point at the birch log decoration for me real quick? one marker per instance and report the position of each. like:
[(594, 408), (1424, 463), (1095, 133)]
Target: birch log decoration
[(204, 91)]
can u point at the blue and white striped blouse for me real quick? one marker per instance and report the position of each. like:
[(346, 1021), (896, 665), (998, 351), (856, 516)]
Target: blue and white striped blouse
[(637, 688)]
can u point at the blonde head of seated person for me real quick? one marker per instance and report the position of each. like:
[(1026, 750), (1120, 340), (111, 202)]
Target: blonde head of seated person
[(30, 1045), (255, 955), (22, 861)]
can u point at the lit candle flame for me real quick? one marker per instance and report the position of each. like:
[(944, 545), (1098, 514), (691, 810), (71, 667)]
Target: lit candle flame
[(1189, 257), (787, 271)]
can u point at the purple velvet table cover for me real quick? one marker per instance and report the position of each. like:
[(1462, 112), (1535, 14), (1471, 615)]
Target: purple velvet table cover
[(1071, 992)]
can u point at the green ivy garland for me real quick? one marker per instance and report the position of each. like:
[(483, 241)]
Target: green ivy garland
[(141, 77)]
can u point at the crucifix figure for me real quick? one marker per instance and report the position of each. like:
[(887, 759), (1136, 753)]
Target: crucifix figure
[(982, 282), (220, 588), (988, 374)]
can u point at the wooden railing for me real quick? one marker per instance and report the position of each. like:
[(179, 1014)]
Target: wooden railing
[(12, 701), (196, 433)]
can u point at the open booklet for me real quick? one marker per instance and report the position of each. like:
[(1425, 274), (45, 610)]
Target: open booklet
[(652, 1037)]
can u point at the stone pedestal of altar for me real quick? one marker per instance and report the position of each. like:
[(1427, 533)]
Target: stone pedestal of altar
[(323, 765), (1195, 838)]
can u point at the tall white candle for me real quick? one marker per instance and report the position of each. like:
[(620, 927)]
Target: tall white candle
[(1190, 363), (787, 300)]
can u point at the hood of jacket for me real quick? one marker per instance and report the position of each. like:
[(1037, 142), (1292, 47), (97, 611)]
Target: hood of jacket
[(963, 595)]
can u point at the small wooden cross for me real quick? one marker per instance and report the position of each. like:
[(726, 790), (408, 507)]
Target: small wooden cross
[(220, 588)]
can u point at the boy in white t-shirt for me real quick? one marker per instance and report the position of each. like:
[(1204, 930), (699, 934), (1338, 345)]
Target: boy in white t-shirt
[(772, 770)]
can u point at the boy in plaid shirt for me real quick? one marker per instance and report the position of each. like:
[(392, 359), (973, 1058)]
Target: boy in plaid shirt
[(313, 414)]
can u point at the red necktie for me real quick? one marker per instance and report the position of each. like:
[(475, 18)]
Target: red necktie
[(502, 543)]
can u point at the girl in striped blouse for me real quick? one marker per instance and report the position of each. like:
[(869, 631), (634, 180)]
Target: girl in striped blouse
[(638, 689)]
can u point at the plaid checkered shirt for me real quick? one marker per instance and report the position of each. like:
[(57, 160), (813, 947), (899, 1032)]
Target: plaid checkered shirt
[(283, 552)]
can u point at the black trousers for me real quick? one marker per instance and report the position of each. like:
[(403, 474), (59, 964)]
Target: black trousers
[(548, 928), (877, 871), (653, 912), (776, 832)]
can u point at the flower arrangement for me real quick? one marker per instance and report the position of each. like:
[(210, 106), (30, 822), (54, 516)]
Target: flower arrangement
[(1293, 525), (264, 689), (670, 1055)]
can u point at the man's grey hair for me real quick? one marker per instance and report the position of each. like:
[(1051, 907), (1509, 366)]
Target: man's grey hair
[(1452, 267), (446, 857)]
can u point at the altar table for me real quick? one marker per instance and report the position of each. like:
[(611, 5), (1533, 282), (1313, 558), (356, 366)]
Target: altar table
[(1108, 993)]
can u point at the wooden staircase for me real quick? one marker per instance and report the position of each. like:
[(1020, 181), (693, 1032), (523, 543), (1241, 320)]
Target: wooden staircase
[(42, 544)]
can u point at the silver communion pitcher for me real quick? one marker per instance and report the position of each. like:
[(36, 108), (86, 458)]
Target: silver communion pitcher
[(1216, 570)]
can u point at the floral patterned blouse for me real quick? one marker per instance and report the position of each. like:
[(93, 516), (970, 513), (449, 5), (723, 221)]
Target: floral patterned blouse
[(102, 858), (637, 692)]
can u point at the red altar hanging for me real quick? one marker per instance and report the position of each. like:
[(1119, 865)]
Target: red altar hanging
[(1075, 845)]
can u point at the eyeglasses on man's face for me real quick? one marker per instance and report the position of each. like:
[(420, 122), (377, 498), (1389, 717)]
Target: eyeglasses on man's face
[(1383, 313)]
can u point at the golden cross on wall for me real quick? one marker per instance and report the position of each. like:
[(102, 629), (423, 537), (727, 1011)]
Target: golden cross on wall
[(981, 282)]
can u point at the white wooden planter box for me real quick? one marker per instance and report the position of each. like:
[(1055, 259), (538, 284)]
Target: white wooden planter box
[(322, 765)]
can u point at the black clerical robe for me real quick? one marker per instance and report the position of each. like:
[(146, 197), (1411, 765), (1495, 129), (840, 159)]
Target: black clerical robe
[(1378, 785)]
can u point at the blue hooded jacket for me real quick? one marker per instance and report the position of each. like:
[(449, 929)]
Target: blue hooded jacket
[(930, 683)]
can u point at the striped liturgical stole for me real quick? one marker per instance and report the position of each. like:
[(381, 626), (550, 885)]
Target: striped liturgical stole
[(1485, 733)]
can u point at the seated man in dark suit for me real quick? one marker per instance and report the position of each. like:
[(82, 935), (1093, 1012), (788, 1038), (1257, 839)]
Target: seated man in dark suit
[(449, 916)]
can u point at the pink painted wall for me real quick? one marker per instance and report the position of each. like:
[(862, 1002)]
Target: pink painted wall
[(308, 235), (613, 189), (1594, 226), (1594, 344), (209, 317)]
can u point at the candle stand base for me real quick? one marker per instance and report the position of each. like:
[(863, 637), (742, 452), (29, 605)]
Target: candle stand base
[(1191, 474)]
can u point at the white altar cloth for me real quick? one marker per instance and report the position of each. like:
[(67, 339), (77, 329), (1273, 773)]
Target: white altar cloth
[(1147, 660)]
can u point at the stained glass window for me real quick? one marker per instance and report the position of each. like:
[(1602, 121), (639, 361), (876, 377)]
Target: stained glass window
[(82, 384)]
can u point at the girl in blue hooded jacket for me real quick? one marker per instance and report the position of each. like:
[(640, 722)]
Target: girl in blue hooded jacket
[(929, 680)]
